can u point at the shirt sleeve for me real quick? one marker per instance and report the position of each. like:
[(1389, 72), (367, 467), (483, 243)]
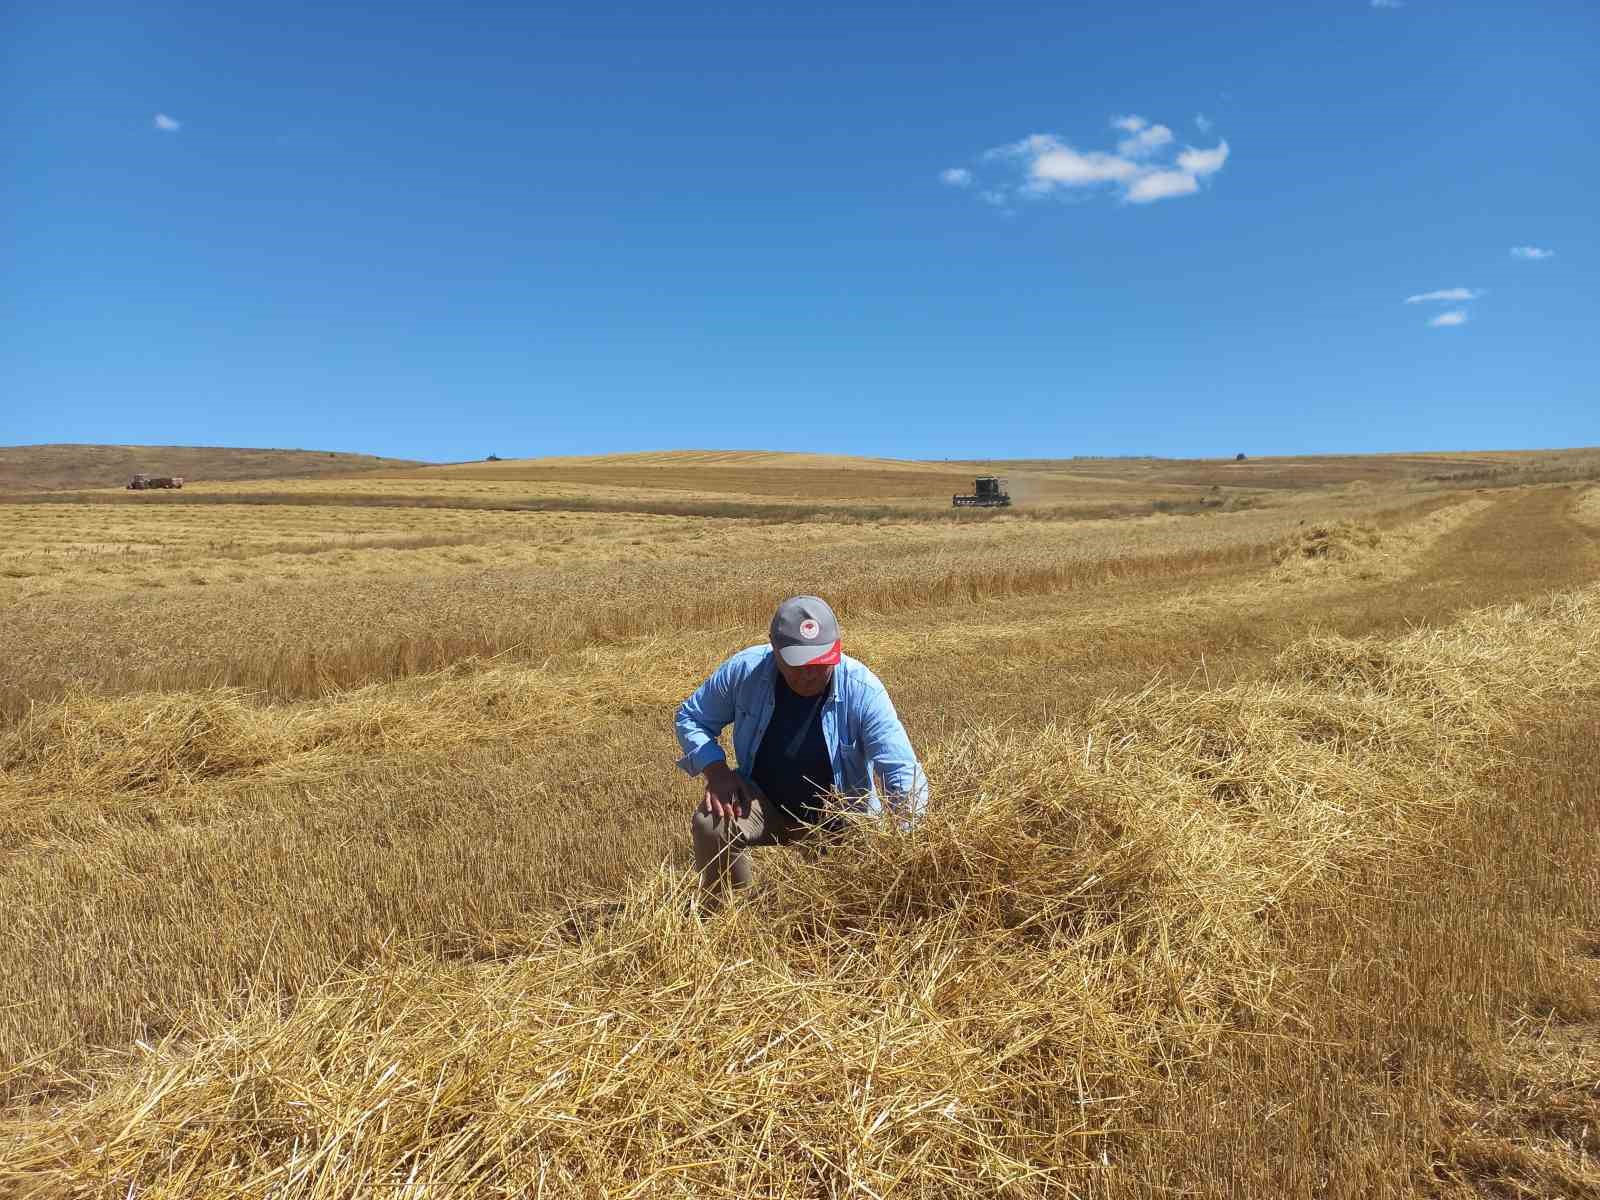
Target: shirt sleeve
[(888, 751), (703, 716)]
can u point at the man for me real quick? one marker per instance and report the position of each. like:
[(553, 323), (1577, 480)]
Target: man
[(808, 721)]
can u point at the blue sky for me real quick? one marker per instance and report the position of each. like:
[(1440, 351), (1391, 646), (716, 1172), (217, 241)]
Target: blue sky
[(940, 229)]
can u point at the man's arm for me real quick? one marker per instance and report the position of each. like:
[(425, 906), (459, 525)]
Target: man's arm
[(699, 722), (703, 716), (888, 751)]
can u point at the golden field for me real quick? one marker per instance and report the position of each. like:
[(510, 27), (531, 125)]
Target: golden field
[(296, 598), (345, 854)]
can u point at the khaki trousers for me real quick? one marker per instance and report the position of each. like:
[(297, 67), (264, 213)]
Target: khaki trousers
[(721, 845)]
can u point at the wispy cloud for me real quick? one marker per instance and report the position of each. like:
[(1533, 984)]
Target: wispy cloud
[(1204, 162), (1147, 141), (1145, 166), (1455, 295), (167, 124), (1388, 3), (1202, 122), (1448, 294), (1531, 252)]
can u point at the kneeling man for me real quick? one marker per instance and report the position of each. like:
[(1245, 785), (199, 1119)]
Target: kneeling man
[(807, 721)]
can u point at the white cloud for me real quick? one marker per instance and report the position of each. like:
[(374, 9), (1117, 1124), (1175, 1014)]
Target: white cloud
[(1145, 167), (1160, 185), (1456, 293), (1146, 141), (1388, 3), (1063, 165), (1203, 162), (1202, 122), (1531, 252), (1456, 316), (167, 124)]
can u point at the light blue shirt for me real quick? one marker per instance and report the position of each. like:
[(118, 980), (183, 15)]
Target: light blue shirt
[(865, 738)]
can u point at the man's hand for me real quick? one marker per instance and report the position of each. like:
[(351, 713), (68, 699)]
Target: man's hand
[(728, 794)]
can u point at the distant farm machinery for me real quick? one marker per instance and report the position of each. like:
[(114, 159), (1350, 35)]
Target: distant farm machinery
[(988, 491), (144, 483)]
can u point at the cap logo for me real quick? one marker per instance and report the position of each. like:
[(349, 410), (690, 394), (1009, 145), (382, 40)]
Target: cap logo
[(809, 628)]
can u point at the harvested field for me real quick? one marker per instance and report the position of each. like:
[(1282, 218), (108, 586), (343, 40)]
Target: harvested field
[(296, 601), (855, 1034), (414, 912), (772, 486)]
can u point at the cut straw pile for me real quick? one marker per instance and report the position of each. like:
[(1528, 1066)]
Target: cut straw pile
[(1327, 548), (1337, 541), (982, 1006)]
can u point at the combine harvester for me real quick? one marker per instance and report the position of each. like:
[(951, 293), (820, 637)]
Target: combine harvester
[(142, 482), (989, 491)]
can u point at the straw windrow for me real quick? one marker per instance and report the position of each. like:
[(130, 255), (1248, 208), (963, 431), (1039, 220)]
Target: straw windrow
[(153, 742)]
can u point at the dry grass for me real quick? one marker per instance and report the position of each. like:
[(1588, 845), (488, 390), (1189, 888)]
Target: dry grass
[(1587, 509), (1497, 467), (711, 460), (1446, 1019), (67, 550), (56, 467), (804, 476), (994, 1003)]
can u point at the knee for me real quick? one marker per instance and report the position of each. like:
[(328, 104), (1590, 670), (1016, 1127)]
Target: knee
[(704, 827)]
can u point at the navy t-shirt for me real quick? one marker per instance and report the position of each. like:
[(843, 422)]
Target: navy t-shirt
[(792, 765)]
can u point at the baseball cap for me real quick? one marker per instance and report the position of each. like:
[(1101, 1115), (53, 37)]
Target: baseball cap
[(805, 633)]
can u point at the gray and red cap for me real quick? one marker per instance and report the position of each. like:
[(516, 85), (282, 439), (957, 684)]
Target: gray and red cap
[(805, 633)]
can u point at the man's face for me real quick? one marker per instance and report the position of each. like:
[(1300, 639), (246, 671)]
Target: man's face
[(804, 681)]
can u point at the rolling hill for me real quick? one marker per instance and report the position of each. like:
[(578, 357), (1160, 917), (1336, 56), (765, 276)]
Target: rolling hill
[(60, 467)]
